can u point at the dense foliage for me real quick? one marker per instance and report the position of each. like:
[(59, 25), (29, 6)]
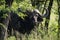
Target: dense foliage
[(52, 33)]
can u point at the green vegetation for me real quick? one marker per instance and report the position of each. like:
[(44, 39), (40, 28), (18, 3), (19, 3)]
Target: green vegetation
[(12, 38), (53, 21)]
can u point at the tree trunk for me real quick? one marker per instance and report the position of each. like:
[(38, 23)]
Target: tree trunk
[(48, 18), (6, 21), (3, 30), (58, 1)]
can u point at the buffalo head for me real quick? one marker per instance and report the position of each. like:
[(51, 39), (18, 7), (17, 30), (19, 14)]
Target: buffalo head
[(36, 16)]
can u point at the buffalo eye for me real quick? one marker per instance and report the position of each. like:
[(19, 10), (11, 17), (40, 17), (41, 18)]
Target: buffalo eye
[(39, 19)]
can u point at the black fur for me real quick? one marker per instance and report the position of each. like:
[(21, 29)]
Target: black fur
[(23, 26)]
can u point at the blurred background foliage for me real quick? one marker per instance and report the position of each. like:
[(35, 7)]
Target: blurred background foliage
[(37, 4)]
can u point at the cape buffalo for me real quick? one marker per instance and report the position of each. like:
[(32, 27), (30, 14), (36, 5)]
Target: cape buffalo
[(25, 25)]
